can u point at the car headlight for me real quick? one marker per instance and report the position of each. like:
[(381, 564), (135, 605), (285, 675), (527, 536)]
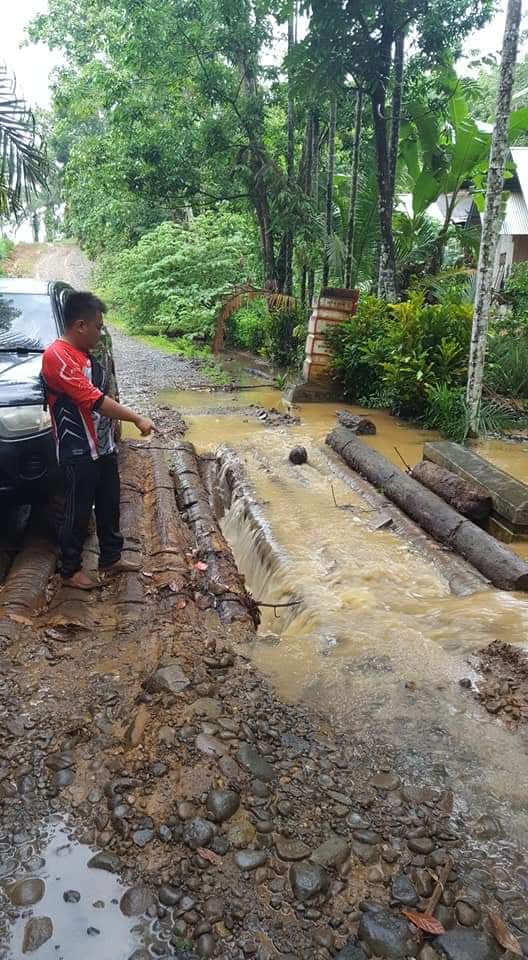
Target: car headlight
[(20, 421)]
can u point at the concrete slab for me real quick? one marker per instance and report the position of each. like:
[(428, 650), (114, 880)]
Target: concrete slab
[(509, 496)]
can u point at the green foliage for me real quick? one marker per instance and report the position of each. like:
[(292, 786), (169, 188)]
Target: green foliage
[(6, 248), (248, 326), (516, 291), (172, 281), (447, 412), (394, 354), (507, 364)]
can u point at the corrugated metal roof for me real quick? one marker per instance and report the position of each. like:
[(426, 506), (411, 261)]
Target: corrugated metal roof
[(516, 220)]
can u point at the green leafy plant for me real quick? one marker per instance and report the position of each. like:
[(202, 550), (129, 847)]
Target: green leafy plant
[(516, 291), (6, 248)]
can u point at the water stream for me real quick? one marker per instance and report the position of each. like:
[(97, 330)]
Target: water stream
[(378, 640)]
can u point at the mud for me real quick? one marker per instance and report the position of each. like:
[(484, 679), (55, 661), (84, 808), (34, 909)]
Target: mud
[(504, 688)]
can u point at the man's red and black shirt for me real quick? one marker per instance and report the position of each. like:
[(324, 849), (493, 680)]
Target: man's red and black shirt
[(75, 387)]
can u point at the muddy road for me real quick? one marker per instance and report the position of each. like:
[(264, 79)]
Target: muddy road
[(175, 784)]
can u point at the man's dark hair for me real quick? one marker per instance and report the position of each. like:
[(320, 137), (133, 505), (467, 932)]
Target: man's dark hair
[(82, 306)]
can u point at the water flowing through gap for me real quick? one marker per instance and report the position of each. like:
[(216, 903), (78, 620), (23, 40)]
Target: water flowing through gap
[(378, 641)]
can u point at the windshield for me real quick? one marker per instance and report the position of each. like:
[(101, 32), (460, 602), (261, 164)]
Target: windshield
[(26, 321)]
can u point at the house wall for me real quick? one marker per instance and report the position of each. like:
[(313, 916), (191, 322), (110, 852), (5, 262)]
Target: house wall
[(520, 249)]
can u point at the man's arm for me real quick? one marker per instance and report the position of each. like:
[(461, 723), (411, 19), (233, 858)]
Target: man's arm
[(117, 411)]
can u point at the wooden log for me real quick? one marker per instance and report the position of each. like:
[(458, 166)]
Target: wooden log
[(498, 564), (463, 496), (362, 426), (222, 578)]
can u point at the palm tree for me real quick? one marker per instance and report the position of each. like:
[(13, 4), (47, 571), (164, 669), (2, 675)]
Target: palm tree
[(23, 165)]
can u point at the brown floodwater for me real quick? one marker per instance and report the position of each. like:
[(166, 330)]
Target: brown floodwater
[(378, 636)]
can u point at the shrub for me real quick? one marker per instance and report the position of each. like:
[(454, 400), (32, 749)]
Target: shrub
[(516, 291), (172, 281), (285, 337), (396, 353), (248, 327)]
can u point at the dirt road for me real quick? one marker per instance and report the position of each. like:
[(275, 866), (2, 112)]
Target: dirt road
[(158, 800)]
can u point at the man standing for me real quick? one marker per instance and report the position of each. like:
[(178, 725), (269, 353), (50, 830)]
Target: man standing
[(82, 418)]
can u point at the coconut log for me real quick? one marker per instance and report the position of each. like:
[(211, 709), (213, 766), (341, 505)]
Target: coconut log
[(223, 580), (362, 426), (498, 564), (463, 496)]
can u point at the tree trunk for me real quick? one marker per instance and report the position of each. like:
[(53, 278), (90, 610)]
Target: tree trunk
[(288, 280), (305, 183), (399, 54), (439, 247), (349, 256), (330, 191), (387, 287), (495, 561), (314, 189), (492, 214)]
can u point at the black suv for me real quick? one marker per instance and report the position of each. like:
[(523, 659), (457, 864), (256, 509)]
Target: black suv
[(31, 317)]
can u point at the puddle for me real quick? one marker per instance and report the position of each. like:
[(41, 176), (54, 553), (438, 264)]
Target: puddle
[(61, 863), (378, 639)]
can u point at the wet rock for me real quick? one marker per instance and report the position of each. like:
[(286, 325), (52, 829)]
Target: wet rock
[(423, 882), (136, 729), (71, 896), (404, 891), (168, 679), (105, 860), (206, 945), (427, 953), (250, 859), (229, 767), (142, 837), (198, 833), (185, 810), (213, 909), (63, 778), (169, 896), (136, 901), (298, 455), (352, 951), (206, 707), (387, 935), (241, 832), (260, 789), (252, 760), (211, 746), (370, 837), (421, 845), (332, 853), (37, 931), (165, 833), (222, 804), (385, 781), (308, 879), (291, 849), (60, 761), (93, 932), (364, 852), (463, 944), (468, 914), (140, 954), (27, 892), (167, 735), (324, 937)]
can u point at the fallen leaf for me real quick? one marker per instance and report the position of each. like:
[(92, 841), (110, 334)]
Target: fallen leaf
[(181, 604), (503, 935), (210, 856), (200, 565), (425, 923), (146, 573)]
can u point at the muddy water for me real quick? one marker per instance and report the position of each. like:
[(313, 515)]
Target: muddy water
[(93, 928), (377, 637)]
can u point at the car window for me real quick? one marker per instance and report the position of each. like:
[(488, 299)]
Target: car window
[(26, 321)]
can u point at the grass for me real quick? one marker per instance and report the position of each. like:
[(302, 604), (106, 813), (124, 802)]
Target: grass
[(177, 347)]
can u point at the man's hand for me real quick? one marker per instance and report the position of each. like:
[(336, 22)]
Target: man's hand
[(145, 426)]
